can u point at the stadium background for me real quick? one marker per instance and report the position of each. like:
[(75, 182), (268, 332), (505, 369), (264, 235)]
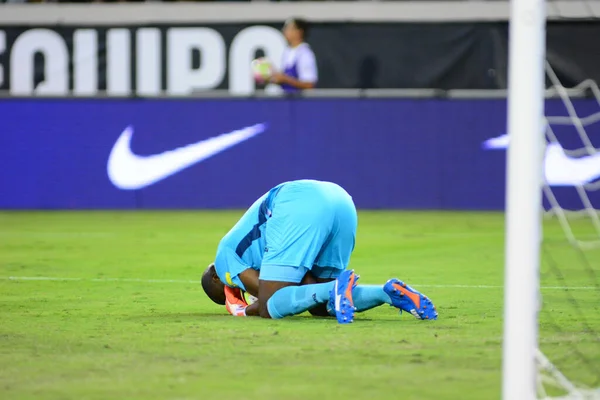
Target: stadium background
[(107, 304), (405, 99)]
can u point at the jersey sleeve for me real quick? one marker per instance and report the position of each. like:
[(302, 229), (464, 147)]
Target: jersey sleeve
[(307, 65), (229, 266)]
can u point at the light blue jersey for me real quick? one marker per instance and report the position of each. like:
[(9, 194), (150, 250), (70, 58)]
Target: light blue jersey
[(243, 246), (296, 227)]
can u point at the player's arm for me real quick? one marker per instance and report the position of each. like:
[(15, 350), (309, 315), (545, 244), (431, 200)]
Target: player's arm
[(235, 303), (253, 310), (286, 79), (249, 278)]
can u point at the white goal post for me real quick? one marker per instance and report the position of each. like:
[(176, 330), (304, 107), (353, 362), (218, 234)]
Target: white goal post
[(526, 80)]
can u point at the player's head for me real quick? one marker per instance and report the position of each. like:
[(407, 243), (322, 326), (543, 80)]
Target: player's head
[(295, 30), (212, 285)]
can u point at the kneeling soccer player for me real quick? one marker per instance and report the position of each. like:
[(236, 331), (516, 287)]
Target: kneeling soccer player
[(300, 232)]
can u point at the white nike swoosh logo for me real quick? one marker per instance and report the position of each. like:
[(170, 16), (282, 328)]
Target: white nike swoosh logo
[(559, 168), (129, 171)]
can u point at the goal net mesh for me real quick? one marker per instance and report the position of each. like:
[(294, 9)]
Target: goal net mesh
[(569, 318)]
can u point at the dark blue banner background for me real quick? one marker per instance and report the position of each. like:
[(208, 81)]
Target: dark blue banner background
[(388, 153)]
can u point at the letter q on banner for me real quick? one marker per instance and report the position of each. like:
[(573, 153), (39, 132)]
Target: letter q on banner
[(243, 51)]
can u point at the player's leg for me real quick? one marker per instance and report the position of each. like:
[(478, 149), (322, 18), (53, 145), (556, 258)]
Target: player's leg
[(334, 257), (395, 293), (299, 226), (367, 297), (266, 290), (410, 300), (320, 310), (280, 299)]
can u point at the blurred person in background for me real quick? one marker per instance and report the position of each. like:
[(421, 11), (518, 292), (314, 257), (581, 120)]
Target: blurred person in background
[(299, 63)]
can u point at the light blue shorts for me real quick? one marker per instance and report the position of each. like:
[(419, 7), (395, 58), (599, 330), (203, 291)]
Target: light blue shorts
[(312, 228)]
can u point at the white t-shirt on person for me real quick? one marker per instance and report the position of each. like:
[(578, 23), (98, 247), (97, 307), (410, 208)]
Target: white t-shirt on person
[(299, 62)]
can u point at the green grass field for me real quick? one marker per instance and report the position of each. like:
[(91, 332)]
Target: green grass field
[(126, 319)]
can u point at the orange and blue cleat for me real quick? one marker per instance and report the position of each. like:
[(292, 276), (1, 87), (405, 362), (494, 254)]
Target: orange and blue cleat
[(341, 296), (408, 299)]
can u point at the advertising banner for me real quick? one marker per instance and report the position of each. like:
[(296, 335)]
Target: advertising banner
[(388, 153), (177, 60)]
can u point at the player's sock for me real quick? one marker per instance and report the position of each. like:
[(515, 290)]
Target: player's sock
[(366, 297), (292, 300)]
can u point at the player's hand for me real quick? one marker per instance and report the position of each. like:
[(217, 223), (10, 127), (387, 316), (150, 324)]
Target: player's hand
[(234, 302), (277, 78)]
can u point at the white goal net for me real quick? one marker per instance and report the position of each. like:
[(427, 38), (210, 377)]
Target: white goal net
[(568, 358)]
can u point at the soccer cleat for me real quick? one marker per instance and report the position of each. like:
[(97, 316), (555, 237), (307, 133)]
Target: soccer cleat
[(408, 299), (341, 297)]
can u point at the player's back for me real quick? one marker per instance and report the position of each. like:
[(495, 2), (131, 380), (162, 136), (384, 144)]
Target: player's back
[(314, 196), (251, 255), (299, 205)]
